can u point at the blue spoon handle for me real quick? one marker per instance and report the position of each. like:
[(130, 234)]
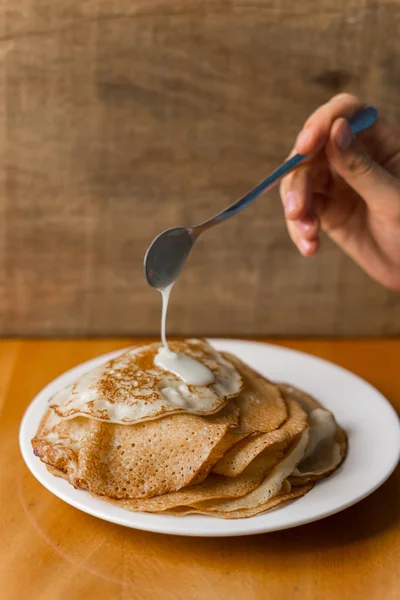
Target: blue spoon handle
[(358, 122)]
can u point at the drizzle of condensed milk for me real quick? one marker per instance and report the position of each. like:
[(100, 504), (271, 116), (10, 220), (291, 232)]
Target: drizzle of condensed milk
[(185, 367), (165, 294), (191, 371)]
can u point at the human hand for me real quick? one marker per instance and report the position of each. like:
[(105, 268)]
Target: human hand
[(350, 190)]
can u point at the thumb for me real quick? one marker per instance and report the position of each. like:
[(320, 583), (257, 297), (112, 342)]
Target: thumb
[(350, 159)]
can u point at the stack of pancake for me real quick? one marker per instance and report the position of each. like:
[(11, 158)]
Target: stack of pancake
[(137, 436)]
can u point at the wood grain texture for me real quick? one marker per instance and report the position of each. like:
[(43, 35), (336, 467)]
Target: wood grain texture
[(120, 118), (51, 551)]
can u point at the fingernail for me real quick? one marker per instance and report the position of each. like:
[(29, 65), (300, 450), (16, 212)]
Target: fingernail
[(291, 203), (305, 245), (344, 136), (303, 138)]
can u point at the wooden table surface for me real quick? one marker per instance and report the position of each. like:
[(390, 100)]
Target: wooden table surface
[(51, 551)]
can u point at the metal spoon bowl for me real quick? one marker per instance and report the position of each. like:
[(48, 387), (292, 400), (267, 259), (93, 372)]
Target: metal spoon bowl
[(167, 254)]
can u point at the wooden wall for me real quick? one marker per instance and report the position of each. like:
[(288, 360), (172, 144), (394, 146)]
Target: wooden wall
[(119, 118)]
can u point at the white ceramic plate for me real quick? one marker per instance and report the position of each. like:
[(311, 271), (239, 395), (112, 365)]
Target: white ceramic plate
[(370, 421)]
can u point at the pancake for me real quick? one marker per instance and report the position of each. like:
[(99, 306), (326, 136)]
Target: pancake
[(57, 442), (327, 447), (240, 456), (135, 461), (221, 487), (131, 389), (286, 494), (56, 472), (213, 487), (269, 488), (261, 406)]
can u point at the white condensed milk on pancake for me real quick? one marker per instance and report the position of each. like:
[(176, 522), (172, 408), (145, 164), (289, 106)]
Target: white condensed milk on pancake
[(190, 370)]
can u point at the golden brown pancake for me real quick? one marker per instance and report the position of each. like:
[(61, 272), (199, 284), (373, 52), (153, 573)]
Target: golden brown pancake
[(240, 456), (270, 486), (261, 406), (286, 494), (259, 481), (139, 461), (131, 388), (216, 487), (57, 442), (328, 441)]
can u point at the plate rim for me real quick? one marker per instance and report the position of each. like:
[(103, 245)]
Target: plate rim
[(253, 527)]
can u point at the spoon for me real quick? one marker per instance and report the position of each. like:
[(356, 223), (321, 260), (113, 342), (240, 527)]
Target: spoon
[(168, 252)]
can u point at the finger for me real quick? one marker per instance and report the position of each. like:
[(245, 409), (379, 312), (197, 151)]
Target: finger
[(320, 201), (307, 247), (307, 227), (304, 233), (315, 132), (383, 138), (349, 158), (295, 193)]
